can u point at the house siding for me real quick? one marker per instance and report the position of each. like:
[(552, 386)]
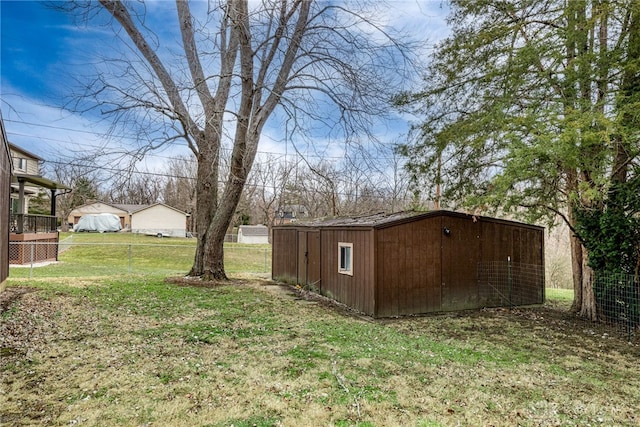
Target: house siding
[(31, 163), (159, 219)]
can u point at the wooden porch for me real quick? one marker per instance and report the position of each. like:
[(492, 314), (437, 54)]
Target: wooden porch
[(33, 238)]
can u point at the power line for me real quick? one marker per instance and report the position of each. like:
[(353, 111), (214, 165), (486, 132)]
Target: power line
[(383, 157), (49, 126), (167, 175), (84, 145)]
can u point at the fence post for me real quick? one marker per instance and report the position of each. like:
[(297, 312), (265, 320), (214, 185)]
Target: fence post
[(31, 264), (129, 258), (265, 260)]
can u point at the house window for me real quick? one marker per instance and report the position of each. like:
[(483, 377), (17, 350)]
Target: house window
[(20, 164), (15, 206), (345, 258)]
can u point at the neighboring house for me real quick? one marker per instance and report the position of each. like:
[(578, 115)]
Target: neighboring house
[(24, 163), (290, 213), (5, 198), (34, 238), (411, 263), (160, 220), (156, 219), (253, 234)]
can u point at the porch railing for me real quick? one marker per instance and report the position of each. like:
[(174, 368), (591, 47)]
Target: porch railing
[(27, 223)]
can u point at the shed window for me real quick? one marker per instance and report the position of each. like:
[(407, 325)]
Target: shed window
[(345, 258)]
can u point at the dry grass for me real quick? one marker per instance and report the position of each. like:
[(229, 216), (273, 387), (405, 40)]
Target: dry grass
[(146, 352)]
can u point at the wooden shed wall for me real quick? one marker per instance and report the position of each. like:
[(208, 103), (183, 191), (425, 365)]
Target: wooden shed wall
[(284, 263), (523, 244), (408, 268), (309, 258), (461, 251), (420, 269), (356, 291)]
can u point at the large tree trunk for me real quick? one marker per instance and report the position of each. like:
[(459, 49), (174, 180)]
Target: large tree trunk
[(576, 272), (213, 261), (207, 200), (588, 306), (584, 302)]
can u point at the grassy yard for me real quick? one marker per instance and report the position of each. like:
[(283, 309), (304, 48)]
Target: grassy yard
[(85, 342), (138, 351), (106, 254)]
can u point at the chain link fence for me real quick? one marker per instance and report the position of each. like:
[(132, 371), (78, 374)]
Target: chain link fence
[(70, 258)]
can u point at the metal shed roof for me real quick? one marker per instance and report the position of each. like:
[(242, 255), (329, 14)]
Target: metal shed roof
[(254, 230), (381, 220)]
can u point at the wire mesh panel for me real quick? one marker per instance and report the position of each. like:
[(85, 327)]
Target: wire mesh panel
[(618, 301), (507, 283)]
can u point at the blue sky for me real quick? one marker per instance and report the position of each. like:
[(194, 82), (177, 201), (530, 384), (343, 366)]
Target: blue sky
[(43, 51)]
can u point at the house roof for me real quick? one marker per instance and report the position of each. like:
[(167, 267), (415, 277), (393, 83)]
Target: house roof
[(5, 142), (39, 181), (138, 208), (254, 230), (129, 208), (25, 152), (382, 220)]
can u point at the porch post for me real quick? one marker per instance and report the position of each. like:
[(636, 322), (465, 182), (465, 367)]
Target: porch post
[(53, 202), (53, 222), (21, 206)]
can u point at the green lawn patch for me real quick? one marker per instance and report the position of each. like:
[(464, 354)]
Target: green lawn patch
[(103, 339), (136, 350)]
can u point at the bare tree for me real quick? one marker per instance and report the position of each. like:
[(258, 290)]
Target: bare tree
[(314, 186), (82, 178), (266, 187), (239, 64), (180, 186), (140, 188)]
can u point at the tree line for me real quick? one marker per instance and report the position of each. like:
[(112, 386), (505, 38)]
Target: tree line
[(295, 185)]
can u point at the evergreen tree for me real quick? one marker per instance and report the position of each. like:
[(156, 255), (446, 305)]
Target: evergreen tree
[(531, 107)]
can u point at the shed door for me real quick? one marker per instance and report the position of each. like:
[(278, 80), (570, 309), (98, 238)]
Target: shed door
[(460, 256), (302, 258), (313, 259), (309, 258)]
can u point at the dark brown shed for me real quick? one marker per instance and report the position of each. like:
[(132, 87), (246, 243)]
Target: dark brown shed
[(412, 263)]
